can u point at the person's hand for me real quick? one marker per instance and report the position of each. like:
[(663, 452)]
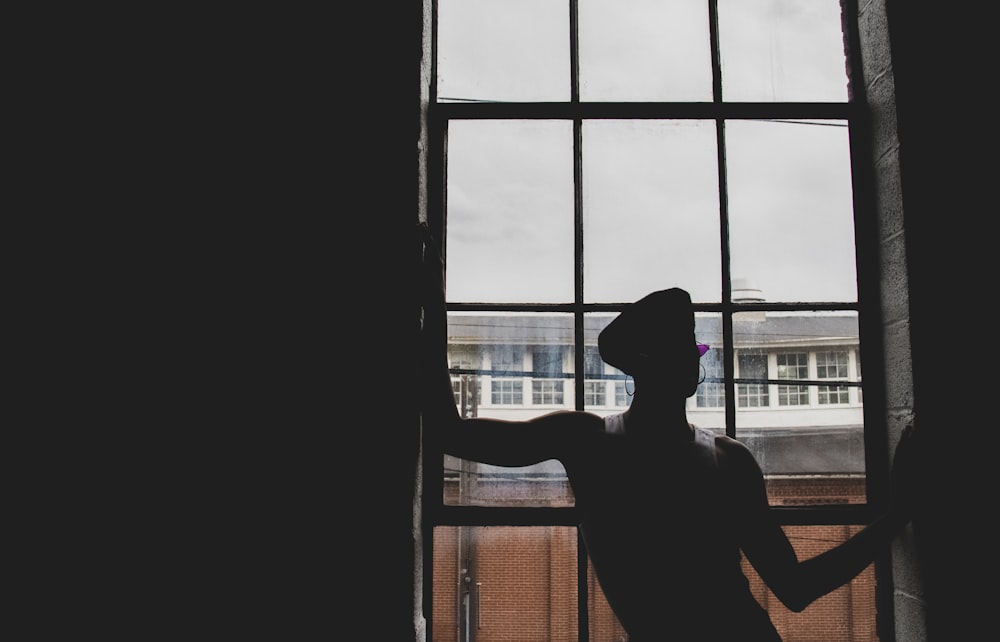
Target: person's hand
[(906, 476)]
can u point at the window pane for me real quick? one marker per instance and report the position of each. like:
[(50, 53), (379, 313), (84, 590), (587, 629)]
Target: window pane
[(605, 383), (782, 50), (469, 483), (845, 615), (525, 369), (644, 50), (707, 408), (503, 50), (505, 584), (651, 209), (791, 210), (801, 430), (517, 583), (510, 211)]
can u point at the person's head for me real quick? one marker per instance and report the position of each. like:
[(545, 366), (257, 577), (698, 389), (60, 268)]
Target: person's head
[(654, 338)]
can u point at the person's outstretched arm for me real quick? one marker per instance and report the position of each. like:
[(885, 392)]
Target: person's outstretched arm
[(799, 583), (491, 441)]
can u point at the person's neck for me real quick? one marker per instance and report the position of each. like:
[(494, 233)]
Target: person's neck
[(666, 417)]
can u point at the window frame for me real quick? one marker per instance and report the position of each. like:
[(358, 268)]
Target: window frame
[(867, 306)]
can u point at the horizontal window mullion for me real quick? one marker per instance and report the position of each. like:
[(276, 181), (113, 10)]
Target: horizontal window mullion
[(547, 516), (826, 383), (504, 516), (822, 515), (770, 306), (636, 110)]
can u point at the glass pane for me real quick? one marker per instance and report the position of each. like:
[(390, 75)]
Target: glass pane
[(505, 584), (844, 615), (707, 408), (795, 427), (503, 50), (517, 583), (644, 50), (510, 211), (782, 50), (606, 390), (651, 209), (791, 211), (511, 366)]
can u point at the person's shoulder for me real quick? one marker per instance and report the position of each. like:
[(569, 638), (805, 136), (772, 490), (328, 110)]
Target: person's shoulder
[(735, 455), (729, 444)]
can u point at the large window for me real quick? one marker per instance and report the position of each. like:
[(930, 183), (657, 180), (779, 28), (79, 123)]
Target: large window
[(584, 153)]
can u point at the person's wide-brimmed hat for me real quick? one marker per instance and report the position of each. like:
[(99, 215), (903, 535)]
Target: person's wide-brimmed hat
[(656, 327)]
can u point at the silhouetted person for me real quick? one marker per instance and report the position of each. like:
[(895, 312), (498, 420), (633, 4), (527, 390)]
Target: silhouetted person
[(666, 508)]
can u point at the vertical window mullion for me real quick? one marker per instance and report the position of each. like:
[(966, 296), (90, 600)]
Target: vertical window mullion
[(578, 241), (728, 351), (716, 53), (728, 368), (580, 371), (432, 493)]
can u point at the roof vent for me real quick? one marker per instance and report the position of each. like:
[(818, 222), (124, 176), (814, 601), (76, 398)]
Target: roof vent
[(745, 292)]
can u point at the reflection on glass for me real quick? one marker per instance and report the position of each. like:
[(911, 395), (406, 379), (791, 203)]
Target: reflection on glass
[(509, 366), (644, 50), (512, 51), (791, 211), (510, 211), (651, 209), (798, 397), (505, 583), (782, 50)]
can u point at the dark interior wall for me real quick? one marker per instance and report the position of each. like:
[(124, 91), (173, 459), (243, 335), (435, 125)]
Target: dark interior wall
[(284, 495), (941, 69), (294, 519)]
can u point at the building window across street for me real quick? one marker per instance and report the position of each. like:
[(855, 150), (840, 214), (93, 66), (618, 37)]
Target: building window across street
[(833, 365), (793, 365)]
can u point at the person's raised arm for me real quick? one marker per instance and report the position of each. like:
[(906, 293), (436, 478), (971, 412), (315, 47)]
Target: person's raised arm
[(492, 441), (799, 583)]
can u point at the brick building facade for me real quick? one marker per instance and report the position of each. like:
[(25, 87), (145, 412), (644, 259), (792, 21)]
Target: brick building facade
[(519, 584)]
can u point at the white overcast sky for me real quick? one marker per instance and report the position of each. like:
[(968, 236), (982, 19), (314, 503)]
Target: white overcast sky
[(651, 198)]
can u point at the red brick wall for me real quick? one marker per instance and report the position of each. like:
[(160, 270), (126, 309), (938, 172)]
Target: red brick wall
[(845, 615), (528, 584), (446, 584)]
